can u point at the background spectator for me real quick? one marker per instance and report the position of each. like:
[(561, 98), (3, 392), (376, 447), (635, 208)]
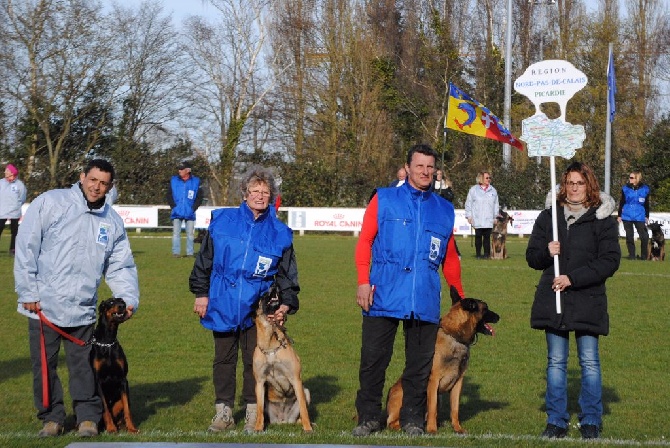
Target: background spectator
[(481, 209), (12, 197), (184, 197), (634, 212), (401, 176)]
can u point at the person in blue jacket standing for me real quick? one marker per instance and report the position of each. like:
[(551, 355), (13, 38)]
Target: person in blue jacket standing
[(405, 241), (634, 212), (244, 251), (184, 198)]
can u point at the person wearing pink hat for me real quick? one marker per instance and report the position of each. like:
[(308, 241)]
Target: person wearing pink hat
[(12, 197)]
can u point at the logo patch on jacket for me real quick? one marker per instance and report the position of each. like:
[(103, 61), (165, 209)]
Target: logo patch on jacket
[(103, 234), (262, 266), (191, 194), (434, 248)]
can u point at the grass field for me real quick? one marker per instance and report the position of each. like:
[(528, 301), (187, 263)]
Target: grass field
[(502, 404)]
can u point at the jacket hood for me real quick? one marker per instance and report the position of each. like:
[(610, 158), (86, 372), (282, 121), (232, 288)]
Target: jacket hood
[(605, 209)]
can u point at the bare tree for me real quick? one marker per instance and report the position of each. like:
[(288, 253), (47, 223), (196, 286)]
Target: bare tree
[(149, 68), (226, 83), (54, 51), (649, 25)]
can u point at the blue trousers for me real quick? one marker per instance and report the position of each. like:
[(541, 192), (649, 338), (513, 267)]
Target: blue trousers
[(176, 236), (590, 394)]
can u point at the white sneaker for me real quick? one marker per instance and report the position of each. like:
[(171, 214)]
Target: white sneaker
[(250, 418), (223, 419)]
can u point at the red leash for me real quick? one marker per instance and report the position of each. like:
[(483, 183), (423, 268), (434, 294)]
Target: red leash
[(43, 354)]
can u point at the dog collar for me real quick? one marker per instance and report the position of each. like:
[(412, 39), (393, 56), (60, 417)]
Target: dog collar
[(282, 344), (93, 341)]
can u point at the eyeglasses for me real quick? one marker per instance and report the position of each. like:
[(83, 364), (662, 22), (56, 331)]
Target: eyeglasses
[(579, 183), (487, 178), (632, 177), (257, 193)]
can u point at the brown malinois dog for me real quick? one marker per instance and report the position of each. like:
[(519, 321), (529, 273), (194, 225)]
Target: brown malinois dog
[(499, 235), (280, 395), (458, 330)]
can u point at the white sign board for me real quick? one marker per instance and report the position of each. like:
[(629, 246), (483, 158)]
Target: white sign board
[(551, 81)]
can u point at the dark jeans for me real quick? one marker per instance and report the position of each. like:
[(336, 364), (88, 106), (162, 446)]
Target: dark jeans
[(378, 336), (226, 346), (630, 238), (13, 228), (87, 405), (485, 235)]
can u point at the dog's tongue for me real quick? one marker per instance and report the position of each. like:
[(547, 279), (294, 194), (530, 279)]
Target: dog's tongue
[(490, 328)]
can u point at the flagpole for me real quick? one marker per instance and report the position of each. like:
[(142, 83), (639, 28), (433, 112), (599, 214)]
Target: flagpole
[(608, 129), (444, 148), (507, 149)]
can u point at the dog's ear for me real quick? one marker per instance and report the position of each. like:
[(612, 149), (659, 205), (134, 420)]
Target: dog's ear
[(104, 304), (470, 305), (455, 296)]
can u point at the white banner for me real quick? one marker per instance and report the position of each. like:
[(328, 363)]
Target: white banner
[(342, 219), (138, 216), (203, 215), (326, 219)]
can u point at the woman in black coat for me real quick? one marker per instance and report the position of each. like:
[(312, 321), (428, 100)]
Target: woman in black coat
[(589, 253)]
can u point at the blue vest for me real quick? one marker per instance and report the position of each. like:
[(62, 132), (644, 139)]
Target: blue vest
[(414, 228), (184, 194), (634, 199), (246, 258)]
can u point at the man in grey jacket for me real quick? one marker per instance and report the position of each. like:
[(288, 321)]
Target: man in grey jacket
[(68, 241)]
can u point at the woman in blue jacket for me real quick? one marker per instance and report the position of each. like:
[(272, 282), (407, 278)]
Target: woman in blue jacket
[(634, 212), (245, 250)]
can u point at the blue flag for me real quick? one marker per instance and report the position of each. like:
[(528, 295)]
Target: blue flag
[(611, 86)]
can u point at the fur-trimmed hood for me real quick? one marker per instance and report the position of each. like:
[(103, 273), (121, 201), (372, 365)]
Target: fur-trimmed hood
[(605, 209)]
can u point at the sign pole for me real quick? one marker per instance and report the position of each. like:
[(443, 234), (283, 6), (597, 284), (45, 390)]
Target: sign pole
[(554, 226)]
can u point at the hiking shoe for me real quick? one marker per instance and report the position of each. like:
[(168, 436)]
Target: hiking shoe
[(250, 418), (87, 428), (366, 428), (589, 431), (412, 429), (223, 419), (51, 429), (554, 432)]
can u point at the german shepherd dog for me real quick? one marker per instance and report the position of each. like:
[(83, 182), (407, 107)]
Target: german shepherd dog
[(499, 235), (458, 331), (280, 394), (656, 245), (111, 366)]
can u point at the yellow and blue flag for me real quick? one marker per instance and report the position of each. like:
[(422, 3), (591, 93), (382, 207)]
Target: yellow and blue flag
[(467, 115)]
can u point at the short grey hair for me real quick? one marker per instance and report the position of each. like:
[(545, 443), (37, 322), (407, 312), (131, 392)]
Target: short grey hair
[(259, 175)]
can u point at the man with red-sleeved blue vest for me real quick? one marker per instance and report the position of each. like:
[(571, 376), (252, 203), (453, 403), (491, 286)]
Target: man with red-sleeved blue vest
[(184, 197), (406, 239)]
